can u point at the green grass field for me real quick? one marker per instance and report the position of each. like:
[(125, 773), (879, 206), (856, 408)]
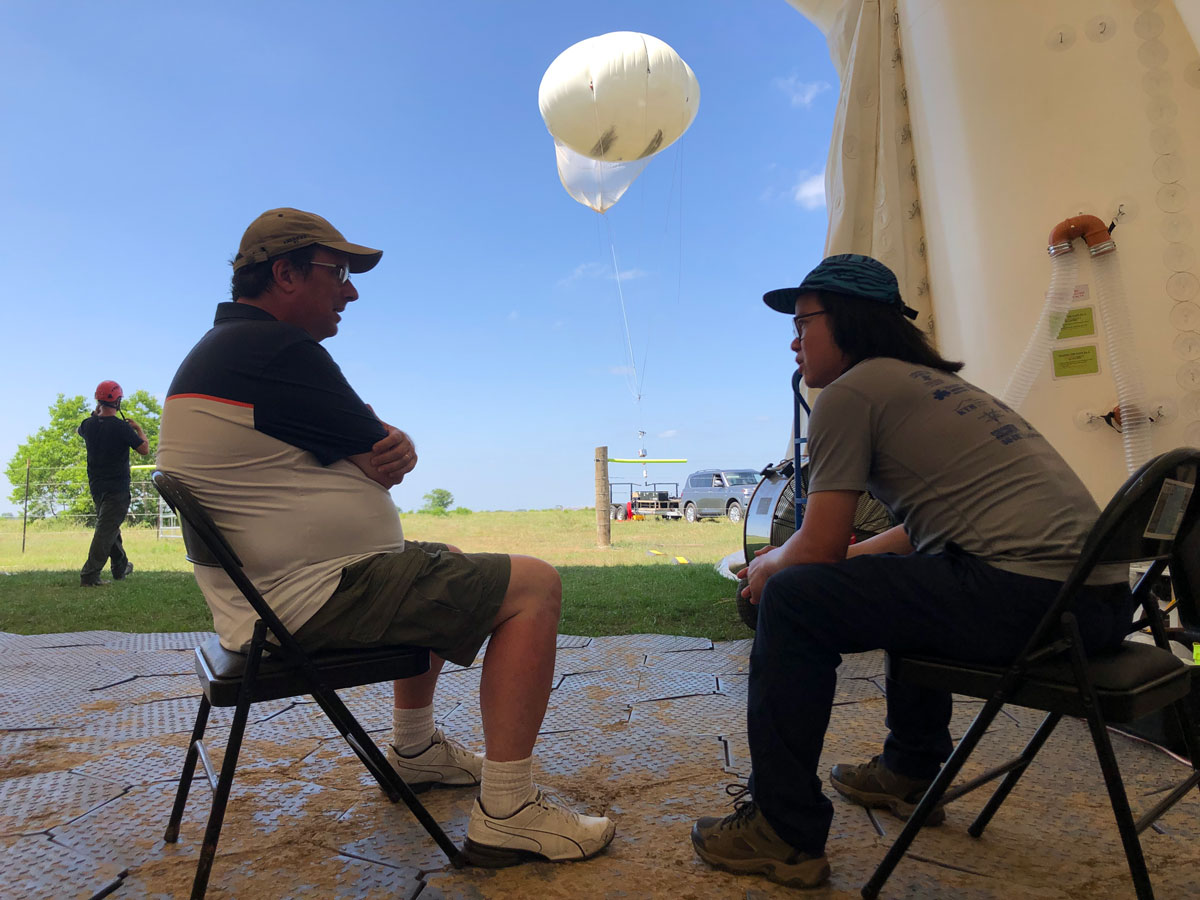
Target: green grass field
[(627, 588)]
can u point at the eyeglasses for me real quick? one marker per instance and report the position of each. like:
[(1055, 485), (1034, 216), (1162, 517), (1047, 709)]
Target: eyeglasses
[(798, 321), (342, 271)]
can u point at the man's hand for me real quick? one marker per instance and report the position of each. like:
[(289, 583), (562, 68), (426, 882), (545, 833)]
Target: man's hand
[(394, 456), (823, 538), (766, 563), (390, 459)]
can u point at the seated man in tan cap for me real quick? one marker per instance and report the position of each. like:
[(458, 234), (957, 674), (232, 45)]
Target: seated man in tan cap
[(261, 424)]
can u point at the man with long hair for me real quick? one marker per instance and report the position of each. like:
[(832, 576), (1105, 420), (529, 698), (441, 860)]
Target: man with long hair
[(992, 521)]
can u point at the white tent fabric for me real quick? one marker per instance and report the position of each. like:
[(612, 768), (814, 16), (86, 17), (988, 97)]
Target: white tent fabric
[(871, 189), (1001, 98), (1189, 11)]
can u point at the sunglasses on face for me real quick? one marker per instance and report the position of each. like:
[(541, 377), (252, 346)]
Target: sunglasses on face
[(341, 270)]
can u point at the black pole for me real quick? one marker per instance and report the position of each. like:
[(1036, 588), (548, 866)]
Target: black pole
[(801, 497)]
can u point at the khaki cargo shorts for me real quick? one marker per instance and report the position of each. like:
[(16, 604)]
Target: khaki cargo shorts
[(423, 595)]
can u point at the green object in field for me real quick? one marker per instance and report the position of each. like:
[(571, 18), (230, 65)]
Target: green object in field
[(612, 459)]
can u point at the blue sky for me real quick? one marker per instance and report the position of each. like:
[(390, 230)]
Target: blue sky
[(141, 138)]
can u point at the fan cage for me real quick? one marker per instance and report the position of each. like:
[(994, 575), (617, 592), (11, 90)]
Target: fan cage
[(871, 517)]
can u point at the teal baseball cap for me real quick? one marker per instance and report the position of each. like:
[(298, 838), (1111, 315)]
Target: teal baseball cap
[(852, 274)]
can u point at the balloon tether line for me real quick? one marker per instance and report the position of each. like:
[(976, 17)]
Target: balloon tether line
[(634, 384)]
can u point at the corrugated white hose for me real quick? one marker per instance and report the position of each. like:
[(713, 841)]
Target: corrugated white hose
[(1064, 267), (1118, 334)]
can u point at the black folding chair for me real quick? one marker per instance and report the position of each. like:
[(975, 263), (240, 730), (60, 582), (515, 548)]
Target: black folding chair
[(287, 670), (1154, 518)]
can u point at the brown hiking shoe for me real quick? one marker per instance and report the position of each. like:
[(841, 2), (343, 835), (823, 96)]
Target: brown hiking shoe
[(744, 842), (874, 786)]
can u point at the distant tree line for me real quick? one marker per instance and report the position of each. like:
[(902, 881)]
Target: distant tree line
[(57, 461)]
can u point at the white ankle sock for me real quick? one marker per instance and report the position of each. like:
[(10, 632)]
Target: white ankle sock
[(412, 729), (507, 786)]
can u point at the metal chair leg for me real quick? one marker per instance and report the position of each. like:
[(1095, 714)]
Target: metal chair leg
[(1191, 740), (189, 769), (1120, 805), (389, 779), (216, 816), (1167, 802), (341, 722), (1108, 765), (936, 790), (1010, 781), (369, 751)]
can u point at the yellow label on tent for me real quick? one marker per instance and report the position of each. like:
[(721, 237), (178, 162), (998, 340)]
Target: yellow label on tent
[(1196, 654), (1075, 361), (1079, 322)]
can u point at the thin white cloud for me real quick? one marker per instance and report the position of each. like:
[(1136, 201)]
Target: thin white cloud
[(592, 270), (583, 271), (620, 370), (513, 316), (809, 193), (669, 433), (801, 93)]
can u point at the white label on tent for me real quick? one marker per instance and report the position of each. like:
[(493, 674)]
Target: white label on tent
[(1168, 510)]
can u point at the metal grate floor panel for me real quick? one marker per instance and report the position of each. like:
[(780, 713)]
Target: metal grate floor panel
[(646, 728)]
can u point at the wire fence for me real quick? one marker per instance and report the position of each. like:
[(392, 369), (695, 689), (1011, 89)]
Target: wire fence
[(61, 500)]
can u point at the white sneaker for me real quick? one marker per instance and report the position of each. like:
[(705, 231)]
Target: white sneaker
[(445, 761), (543, 828)]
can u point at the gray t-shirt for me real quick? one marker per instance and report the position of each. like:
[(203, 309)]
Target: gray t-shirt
[(954, 464)]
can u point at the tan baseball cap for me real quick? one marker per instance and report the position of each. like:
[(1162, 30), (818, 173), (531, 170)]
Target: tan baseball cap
[(279, 231)]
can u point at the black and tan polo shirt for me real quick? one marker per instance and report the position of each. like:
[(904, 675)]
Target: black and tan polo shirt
[(259, 422)]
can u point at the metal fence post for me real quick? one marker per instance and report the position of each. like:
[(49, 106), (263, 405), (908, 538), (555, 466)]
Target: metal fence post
[(25, 509)]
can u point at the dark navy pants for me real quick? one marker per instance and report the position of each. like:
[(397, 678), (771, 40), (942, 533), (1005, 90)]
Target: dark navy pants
[(111, 508), (948, 604)]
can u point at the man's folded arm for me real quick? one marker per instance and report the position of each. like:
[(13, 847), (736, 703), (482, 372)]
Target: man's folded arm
[(390, 459)]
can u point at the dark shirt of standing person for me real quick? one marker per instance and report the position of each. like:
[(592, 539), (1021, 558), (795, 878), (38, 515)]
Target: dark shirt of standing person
[(109, 440), (109, 437)]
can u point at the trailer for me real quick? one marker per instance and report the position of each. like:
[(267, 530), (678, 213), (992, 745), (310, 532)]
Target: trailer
[(628, 500)]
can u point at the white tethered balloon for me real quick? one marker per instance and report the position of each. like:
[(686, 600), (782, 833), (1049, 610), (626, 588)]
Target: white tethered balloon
[(611, 102)]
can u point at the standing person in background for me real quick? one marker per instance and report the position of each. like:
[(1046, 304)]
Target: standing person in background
[(109, 436)]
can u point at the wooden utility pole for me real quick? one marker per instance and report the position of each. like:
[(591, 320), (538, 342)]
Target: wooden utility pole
[(603, 500)]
